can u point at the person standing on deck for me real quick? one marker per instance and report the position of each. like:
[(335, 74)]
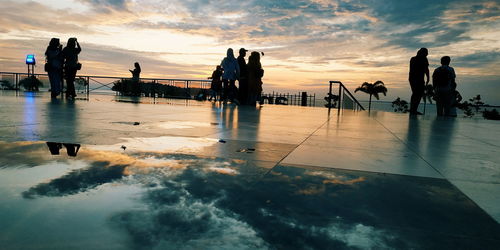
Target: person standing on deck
[(71, 65), (54, 66), (243, 79), (419, 67), (443, 81), (255, 74), (231, 72)]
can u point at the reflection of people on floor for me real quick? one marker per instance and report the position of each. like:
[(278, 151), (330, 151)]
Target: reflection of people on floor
[(231, 72), (443, 80), (419, 67), (71, 149), (55, 147)]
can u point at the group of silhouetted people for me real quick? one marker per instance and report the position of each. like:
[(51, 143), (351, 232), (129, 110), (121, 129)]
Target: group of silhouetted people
[(249, 78), (62, 64), (443, 83)]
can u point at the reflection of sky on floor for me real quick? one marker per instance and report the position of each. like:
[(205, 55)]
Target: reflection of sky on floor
[(109, 198)]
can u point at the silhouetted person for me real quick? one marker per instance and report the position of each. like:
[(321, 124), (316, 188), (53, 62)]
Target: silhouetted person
[(243, 79), (216, 85), (255, 74), (136, 72), (443, 80), (54, 66), (231, 72), (71, 65), (419, 67)]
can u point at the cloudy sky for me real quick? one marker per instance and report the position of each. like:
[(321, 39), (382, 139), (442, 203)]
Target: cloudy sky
[(306, 42)]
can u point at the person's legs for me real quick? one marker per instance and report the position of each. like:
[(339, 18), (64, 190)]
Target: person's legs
[(55, 82), (439, 105), (225, 90), (447, 102), (243, 91), (233, 91), (70, 83), (417, 89)]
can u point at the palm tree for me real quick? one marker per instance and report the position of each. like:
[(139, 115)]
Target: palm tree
[(373, 89)]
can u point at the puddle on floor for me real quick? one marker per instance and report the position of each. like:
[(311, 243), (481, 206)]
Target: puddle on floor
[(148, 196)]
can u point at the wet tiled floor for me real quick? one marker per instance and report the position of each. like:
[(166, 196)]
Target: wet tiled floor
[(205, 176)]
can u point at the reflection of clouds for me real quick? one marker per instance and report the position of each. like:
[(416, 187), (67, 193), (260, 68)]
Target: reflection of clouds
[(77, 181), (162, 144), (23, 154), (183, 124), (110, 166), (192, 202), (345, 182), (359, 236), (176, 219)]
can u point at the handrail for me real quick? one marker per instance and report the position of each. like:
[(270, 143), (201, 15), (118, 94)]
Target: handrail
[(118, 77), (342, 87)]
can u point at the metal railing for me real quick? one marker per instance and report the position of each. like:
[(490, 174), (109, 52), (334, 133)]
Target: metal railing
[(299, 99), (87, 83), (344, 100)]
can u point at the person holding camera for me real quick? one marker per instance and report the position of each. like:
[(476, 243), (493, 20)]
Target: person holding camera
[(71, 65), (54, 65)]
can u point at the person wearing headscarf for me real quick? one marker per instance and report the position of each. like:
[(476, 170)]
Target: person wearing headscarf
[(255, 74), (231, 73)]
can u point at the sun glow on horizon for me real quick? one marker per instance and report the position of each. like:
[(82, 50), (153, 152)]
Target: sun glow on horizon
[(305, 43)]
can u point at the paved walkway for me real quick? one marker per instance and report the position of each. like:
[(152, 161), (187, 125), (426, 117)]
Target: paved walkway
[(184, 173)]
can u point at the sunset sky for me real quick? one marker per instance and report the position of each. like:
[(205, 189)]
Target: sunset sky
[(306, 42)]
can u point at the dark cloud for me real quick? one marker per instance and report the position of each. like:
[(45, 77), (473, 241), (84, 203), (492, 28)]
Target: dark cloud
[(107, 5), (77, 181), (425, 19), (477, 60)]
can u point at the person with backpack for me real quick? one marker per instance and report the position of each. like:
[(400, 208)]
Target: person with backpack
[(71, 65), (443, 81)]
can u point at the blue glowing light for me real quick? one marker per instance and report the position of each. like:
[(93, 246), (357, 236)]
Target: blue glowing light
[(30, 59)]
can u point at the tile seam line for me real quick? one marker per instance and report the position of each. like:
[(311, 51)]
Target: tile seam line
[(448, 180), (409, 148), (477, 140), (309, 136)]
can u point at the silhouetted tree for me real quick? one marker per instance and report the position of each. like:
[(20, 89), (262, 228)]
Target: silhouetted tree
[(400, 105), (491, 114), (373, 89), (428, 95), (31, 83), (476, 102)]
